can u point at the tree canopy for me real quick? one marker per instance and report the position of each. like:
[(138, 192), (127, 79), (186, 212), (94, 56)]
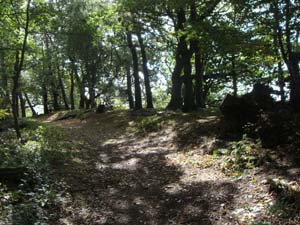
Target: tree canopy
[(182, 55)]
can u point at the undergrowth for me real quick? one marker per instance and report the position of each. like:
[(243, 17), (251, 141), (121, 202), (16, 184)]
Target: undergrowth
[(239, 156), (34, 198)]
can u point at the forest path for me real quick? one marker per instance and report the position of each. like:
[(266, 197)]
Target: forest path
[(119, 175)]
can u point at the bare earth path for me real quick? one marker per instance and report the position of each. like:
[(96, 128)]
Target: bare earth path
[(118, 176)]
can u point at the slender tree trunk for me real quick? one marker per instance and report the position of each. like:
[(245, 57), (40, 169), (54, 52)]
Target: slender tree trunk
[(129, 88), (15, 92), (55, 96), (62, 88), (199, 77), (30, 105), (18, 68), (72, 100), (45, 98), (281, 82), (291, 58), (234, 75), (23, 105), (146, 72), (81, 87), (92, 83), (137, 87)]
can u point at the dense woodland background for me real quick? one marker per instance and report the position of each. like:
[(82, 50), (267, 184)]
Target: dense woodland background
[(217, 79), (175, 54)]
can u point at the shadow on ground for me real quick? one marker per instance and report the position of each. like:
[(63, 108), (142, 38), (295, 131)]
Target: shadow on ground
[(116, 176)]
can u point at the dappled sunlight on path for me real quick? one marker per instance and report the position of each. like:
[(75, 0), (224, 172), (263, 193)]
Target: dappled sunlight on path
[(118, 176)]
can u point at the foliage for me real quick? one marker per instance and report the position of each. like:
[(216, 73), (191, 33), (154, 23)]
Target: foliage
[(3, 114), (240, 156), (35, 199), (149, 124)]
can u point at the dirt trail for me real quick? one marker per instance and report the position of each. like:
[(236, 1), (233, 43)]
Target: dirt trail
[(118, 176)]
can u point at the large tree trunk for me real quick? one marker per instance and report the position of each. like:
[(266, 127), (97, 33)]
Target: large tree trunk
[(129, 88), (146, 72), (30, 105), (199, 69), (137, 87), (295, 79), (189, 103), (176, 98)]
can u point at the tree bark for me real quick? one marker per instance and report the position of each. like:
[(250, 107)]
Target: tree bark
[(18, 68), (234, 75), (281, 82), (45, 98), (146, 72), (55, 94), (199, 69), (81, 86), (72, 88), (62, 87), (137, 87), (176, 98), (30, 105), (290, 57), (129, 88), (23, 105)]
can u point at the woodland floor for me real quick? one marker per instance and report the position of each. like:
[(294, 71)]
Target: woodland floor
[(120, 174)]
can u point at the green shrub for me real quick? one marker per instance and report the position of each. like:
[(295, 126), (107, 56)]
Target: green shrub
[(149, 124), (3, 114), (239, 156), (37, 197)]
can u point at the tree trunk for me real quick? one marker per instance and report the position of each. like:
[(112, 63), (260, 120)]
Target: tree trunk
[(129, 88), (234, 76), (62, 88), (80, 83), (295, 80), (23, 105), (189, 103), (281, 82), (30, 105), (55, 96), (15, 90), (199, 68), (92, 83), (45, 98), (72, 100), (146, 72), (18, 68), (176, 99), (137, 87)]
